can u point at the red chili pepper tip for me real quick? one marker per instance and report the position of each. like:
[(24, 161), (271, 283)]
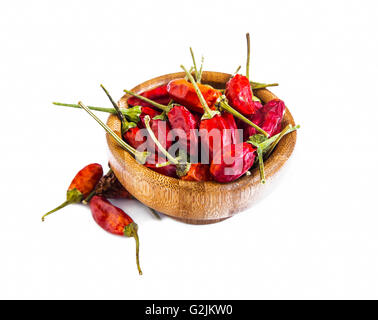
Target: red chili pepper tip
[(81, 186)]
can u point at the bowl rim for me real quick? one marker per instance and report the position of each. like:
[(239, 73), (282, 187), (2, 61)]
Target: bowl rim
[(273, 164)]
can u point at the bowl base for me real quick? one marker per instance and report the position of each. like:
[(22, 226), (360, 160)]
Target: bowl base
[(199, 222)]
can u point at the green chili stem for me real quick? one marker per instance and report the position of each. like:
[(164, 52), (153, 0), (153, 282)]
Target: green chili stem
[(194, 63), (257, 85), (236, 71), (131, 230), (277, 138), (108, 110), (120, 114), (91, 195), (132, 113), (190, 71), (167, 163), (125, 125), (157, 142), (136, 237), (140, 156), (64, 204), (222, 102), (201, 70), (208, 113), (248, 53), (155, 104), (261, 165)]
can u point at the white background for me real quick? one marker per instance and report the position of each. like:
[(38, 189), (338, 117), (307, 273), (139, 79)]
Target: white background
[(314, 236)]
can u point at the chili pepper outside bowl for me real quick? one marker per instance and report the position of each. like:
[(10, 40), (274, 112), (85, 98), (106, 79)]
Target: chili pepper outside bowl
[(190, 201)]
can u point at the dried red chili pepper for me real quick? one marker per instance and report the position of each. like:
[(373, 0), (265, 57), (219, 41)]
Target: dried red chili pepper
[(184, 126), (214, 128), (239, 91), (81, 186), (236, 159), (183, 92), (115, 221), (239, 95), (134, 137), (159, 95), (198, 172), (269, 118), (273, 114)]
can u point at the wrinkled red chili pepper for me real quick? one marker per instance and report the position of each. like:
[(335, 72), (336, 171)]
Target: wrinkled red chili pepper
[(159, 95), (115, 221), (221, 127), (81, 186), (198, 172), (134, 137), (239, 92), (273, 114), (235, 161), (269, 118), (183, 92), (239, 95), (184, 124)]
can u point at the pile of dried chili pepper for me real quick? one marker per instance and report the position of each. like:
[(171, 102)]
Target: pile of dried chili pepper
[(187, 130)]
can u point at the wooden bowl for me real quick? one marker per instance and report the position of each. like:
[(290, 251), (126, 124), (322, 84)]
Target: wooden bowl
[(189, 201)]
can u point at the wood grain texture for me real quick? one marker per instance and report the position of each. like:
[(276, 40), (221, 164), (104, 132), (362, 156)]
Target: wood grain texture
[(189, 201)]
